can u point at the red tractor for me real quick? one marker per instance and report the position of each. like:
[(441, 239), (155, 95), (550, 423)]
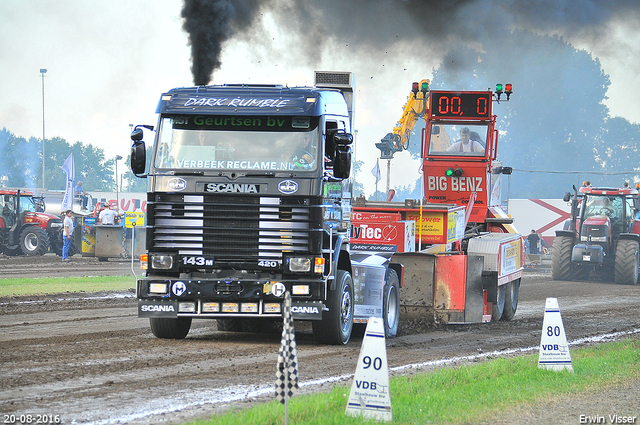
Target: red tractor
[(24, 226), (601, 234)]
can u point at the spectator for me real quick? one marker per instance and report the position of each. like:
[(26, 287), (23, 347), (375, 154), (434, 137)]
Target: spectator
[(107, 216), (67, 235), (533, 239), (82, 195)]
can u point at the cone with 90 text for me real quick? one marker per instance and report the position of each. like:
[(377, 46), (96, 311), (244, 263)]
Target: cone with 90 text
[(287, 370)]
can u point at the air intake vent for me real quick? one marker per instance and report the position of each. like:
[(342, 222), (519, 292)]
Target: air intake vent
[(333, 79)]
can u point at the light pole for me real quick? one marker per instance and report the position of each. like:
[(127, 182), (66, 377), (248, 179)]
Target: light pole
[(42, 72), (118, 158)]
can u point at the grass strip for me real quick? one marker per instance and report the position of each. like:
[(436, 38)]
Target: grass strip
[(460, 394), (57, 285)]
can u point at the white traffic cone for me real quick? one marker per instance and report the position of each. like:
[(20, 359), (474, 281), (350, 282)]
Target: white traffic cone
[(554, 349)]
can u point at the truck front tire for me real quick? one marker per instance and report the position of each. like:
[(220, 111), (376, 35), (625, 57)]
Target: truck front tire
[(337, 323), (167, 328)]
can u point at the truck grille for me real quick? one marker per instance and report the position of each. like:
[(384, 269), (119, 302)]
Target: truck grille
[(230, 228)]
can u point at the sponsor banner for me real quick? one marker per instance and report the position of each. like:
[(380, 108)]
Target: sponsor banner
[(306, 310), (401, 234), (157, 308)]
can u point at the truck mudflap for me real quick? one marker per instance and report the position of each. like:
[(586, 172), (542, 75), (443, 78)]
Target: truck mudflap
[(369, 263), (157, 308)]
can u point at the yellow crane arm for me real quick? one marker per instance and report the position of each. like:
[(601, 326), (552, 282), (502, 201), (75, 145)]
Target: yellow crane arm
[(416, 107)]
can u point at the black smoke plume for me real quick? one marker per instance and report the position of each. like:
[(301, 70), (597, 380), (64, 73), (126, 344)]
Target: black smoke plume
[(209, 24)]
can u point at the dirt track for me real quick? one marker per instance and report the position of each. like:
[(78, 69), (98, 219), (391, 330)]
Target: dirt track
[(88, 358)]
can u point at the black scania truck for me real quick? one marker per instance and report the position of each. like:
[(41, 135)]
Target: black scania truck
[(249, 197)]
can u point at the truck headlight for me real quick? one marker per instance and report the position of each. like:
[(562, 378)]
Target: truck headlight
[(161, 262), (300, 264)]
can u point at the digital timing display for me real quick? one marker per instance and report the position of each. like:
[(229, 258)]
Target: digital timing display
[(446, 104)]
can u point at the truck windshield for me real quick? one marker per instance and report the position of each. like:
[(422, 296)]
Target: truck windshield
[(243, 143), (458, 139)]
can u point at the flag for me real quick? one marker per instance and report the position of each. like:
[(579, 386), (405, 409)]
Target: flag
[(287, 369), (376, 171), (69, 169)]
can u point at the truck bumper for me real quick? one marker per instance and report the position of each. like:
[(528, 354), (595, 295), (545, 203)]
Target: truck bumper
[(198, 298), (587, 254)]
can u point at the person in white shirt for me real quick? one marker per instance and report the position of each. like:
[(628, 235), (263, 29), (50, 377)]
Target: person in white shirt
[(67, 234), (107, 216), (465, 144)]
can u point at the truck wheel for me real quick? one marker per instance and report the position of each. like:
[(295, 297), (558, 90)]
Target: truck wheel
[(498, 306), (627, 262), (511, 300), (169, 328), (561, 258), (391, 303), (336, 324), (34, 241)]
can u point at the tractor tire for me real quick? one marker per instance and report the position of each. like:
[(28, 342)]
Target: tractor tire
[(391, 303), (169, 328), (511, 300), (56, 246), (498, 307), (337, 323), (34, 241), (627, 262), (561, 268), (12, 250)]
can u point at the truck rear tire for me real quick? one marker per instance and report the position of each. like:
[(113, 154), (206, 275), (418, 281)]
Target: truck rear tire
[(627, 262), (561, 258), (34, 241), (391, 303), (512, 292), (169, 328), (337, 323), (498, 306)]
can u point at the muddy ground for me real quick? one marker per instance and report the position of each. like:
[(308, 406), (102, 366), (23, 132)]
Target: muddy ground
[(89, 359)]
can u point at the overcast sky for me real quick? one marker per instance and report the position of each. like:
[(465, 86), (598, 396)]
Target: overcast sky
[(108, 62)]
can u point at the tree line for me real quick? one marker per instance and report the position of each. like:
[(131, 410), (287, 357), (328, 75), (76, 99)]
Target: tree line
[(21, 165)]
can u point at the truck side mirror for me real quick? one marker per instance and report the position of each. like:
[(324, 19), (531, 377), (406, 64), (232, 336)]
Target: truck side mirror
[(567, 197), (136, 135), (342, 164), (138, 156), (342, 160), (342, 139)]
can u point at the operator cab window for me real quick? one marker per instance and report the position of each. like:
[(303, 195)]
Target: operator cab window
[(460, 139)]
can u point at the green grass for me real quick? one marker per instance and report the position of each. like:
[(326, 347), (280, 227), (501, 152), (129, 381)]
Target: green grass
[(57, 285), (458, 395)]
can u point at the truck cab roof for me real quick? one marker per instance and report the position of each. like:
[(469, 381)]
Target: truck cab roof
[(244, 99)]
